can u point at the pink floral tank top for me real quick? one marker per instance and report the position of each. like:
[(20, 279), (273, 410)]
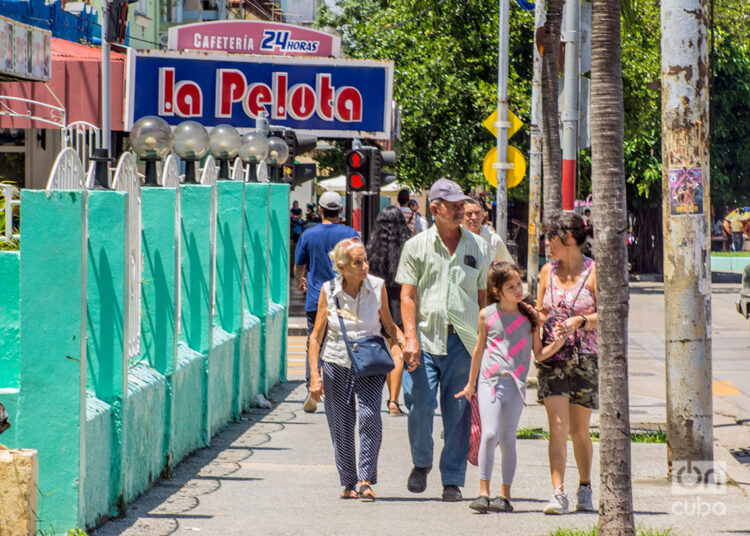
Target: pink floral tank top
[(585, 304)]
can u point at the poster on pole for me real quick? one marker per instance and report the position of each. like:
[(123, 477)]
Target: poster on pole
[(324, 97), (685, 191)]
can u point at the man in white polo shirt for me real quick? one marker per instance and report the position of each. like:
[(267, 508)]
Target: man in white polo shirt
[(443, 273)]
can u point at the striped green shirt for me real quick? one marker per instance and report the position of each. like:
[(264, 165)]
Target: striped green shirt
[(447, 286)]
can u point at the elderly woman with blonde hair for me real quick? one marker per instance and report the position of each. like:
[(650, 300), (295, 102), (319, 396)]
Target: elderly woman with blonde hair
[(362, 305)]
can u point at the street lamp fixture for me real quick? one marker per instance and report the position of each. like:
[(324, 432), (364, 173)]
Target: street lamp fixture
[(224, 145), (191, 144), (151, 139), (253, 151), (278, 153)]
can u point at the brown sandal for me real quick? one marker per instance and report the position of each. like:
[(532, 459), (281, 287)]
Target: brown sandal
[(366, 492), (395, 412), (350, 492)]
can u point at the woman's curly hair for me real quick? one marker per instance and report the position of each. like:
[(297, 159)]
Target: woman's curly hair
[(385, 244)]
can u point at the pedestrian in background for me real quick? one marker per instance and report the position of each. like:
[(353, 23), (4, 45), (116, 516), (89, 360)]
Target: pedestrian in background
[(414, 206), (384, 251), (443, 273), (312, 265), (569, 390), (411, 217), (473, 216), (508, 333), (363, 306)]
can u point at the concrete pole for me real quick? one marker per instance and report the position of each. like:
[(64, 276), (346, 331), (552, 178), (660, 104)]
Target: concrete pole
[(106, 79), (535, 158), (501, 214), (570, 103), (686, 208)]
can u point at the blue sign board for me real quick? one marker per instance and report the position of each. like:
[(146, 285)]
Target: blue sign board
[(326, 97)]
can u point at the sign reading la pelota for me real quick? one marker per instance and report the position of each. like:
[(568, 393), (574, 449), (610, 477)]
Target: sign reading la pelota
[(325, 97)]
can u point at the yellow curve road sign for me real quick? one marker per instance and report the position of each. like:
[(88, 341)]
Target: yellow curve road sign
[(513, 177), (515, 123)]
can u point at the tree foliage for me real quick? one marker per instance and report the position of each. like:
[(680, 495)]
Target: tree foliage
[(445, 79)]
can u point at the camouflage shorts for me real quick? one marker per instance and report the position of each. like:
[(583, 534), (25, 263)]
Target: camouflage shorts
[(576, 379)]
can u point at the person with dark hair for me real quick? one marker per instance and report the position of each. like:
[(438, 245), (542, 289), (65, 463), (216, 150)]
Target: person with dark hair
[(311, 216), (508, 333), (443, 273), (568, 382), (312, 265), (411, 217), (384, 251)]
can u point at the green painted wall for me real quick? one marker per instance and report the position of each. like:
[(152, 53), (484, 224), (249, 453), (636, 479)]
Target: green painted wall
[(229, 242), (257, 200), (229, 234), (100, 457), (51, 415), (279, 265), (143, 430), (10, 324), (195, 204), (158, 278), (187, 404), (106, 371), (100, 449)]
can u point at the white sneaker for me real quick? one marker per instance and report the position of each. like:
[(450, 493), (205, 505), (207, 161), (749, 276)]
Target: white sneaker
[(558, 504), (310, 404), (585, 501)]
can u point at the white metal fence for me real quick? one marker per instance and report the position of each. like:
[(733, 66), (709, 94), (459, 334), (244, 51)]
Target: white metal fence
[(10, 200)]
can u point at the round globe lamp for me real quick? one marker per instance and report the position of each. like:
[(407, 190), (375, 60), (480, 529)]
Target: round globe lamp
[(224, 145), (191, 143), (151, 139)]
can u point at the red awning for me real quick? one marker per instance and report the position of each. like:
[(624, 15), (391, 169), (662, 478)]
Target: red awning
[(76, 82)]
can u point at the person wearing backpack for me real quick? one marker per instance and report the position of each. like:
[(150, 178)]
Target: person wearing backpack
[(568, 381)]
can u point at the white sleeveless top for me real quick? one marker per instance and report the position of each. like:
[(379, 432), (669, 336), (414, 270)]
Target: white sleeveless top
[(361, 317)]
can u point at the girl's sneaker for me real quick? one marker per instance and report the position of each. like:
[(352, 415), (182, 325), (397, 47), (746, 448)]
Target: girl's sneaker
[(500, 504), (585, 501), (558, 504)]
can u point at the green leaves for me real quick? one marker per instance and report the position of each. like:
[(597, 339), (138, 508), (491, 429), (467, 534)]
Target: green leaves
[(445, 77)]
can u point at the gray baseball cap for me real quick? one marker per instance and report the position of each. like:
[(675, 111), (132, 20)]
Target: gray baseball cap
[(447, 190), (330, 201)]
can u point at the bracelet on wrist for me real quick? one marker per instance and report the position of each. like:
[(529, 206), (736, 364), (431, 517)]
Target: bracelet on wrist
[(585, 321)]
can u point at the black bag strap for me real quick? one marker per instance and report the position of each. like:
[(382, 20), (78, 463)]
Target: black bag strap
[(580, 288)]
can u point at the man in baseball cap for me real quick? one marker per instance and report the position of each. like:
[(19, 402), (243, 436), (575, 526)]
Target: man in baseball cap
[(313, 266), (443, 277)]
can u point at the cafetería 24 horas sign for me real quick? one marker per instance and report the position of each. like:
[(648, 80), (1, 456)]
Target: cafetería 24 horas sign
[(254, 37), (326, 97)]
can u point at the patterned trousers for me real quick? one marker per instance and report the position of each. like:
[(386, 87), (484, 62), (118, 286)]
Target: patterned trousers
[(340, 387)]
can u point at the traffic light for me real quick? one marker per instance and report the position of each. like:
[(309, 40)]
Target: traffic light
[(298, 144), (378, 160), (357, 170)]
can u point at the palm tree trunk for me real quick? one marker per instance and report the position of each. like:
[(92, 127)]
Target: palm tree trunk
[(552, 164), (608, 184)]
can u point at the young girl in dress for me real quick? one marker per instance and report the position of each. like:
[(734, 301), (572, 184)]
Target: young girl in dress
[(508, 333)]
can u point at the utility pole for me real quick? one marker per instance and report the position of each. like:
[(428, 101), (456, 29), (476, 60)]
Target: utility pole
[(535, 158), (106, 80), (501, 214), (570, 104), (686, 208)]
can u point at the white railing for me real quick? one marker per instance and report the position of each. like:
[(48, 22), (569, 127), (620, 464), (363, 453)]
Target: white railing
[(170, 178), (238, 170), (67, 173), (11, 199), (127, 180), (83, 137), (209, 175)]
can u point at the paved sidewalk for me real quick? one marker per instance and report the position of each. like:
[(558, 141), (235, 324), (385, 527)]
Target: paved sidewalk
[(273, 474)]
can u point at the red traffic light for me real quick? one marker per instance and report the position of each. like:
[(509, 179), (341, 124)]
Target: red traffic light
[(356, 181), (356, 159)]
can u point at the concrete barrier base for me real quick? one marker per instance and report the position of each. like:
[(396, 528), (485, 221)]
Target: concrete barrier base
[(19, 475)]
